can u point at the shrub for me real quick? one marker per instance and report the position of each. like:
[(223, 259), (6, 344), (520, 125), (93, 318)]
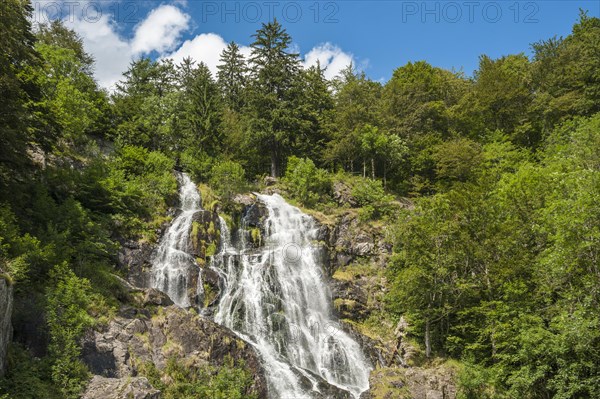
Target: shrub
[(371, 196), (68, 299), (306, 183), (227, 178)]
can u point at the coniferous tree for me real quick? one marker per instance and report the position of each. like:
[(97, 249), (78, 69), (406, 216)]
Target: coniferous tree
[(232, 76), (274, 70)]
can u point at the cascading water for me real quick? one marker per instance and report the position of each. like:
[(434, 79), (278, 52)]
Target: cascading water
[(275, 297), (171, 265)]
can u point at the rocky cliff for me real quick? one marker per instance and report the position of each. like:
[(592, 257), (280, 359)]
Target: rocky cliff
[(6, 305), (147, 335)]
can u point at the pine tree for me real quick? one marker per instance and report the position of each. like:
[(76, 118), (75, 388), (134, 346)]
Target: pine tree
[(232, 76), (274, 70)]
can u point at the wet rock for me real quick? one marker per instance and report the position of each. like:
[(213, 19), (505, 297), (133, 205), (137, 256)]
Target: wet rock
[(254, 224), (120, 388), (255, 215), (327, 391), (136, 259), (372, 349)]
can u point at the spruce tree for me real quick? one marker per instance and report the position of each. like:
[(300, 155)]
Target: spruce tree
[(274, 70), (231, 76)]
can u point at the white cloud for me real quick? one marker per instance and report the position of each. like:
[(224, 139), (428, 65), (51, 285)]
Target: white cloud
[(329, 56), (160, 31), (112, 54), (207, 48)]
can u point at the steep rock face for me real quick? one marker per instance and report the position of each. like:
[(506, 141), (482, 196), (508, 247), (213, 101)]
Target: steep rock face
[(136, 257), (6, 305), (152, 335)]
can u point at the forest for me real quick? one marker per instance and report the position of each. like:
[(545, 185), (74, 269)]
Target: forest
[(496, 264)]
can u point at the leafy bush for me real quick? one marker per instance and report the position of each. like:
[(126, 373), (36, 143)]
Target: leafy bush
[(307, 183), (68, 299), (230, 381), (27, 377), (371, 197), (227, 178)]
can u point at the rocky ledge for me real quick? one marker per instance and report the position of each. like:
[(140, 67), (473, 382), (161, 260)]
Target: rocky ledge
[(153, 333)]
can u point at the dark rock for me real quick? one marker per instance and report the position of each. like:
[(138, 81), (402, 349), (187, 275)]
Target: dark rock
[(254, 227), (323, 233), (350, 300), (255, 215), (362, 245), (155, 297), (136, 259), (342, 259)]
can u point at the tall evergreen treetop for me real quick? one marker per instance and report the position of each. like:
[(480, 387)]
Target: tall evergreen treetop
[(231, 76)]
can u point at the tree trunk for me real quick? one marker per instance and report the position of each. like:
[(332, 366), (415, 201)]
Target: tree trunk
[(274, 171), (373, 168), (384, 176), (364, 169), (427, 339)]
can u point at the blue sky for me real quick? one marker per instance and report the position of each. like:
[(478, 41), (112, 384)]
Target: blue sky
[(377, 36)]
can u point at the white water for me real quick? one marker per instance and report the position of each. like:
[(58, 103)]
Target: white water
[(276, 298), (173, 260)]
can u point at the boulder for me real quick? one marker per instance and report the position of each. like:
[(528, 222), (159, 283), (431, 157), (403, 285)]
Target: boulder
[(342, 193), (270, 181)]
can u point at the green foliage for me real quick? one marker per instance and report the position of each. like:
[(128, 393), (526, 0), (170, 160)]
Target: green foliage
[(500, 271), (27, 377), (227, 179), (68, 298), (307, 183), (273, 97), (230, 381), (371, 196), (457, 160), (496, 265)]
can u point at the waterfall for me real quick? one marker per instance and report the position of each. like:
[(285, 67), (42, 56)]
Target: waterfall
[(172, 262), (276, 298)]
